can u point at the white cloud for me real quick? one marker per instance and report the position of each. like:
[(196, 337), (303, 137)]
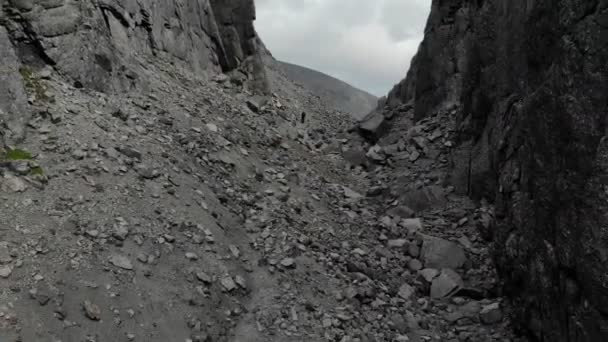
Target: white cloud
[(368, 44)]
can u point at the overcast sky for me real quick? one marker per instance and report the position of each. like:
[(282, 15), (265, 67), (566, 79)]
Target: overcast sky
[(367, 43)]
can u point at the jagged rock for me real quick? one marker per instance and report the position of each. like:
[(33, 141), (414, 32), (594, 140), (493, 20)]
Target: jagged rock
[(441, 253), (240, 281), (412, 224), (423, 199), (12, 184), (228, 283), (469, 310), (401, 212), (373, 126), (120, 232), (397, 243), (221, 78), (256, 103), (41, 295), (414, 265), (20, 167), (204, 277), (212, 127), (253, 105), (406, 291), (376, 153), (485, 225), (350, 193), (413, 250), (121, 261), (191, 256), (446, 284), (425, 279), (288, 263), (129, 152), (355, 156), (5, 271), (92, 311), (5, 255), (414, 155), (375, 191), (428, 274), (491, 314), (237, 78)]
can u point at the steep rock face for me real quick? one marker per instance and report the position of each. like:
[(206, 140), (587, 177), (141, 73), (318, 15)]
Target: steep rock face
[(526, 83), (238, 37), (106, 44)]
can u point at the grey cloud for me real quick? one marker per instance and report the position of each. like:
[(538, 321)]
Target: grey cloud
[(366, 43), (405, 19), (292, 4)]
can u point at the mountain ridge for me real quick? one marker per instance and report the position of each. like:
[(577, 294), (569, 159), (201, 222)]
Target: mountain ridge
[(337, 93)]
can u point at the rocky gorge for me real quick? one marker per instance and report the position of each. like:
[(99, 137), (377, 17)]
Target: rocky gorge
[(163, 179)]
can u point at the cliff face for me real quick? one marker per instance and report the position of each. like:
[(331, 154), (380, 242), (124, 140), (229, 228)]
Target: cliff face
[(106, 44), (528, 81)]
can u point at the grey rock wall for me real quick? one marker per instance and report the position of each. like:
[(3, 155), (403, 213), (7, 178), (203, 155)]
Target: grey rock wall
[(528, 80), (13, 100), (107, 44)]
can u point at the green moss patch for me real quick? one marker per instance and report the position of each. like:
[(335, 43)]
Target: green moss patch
[(37, 171), (15, 154), (32, 84)]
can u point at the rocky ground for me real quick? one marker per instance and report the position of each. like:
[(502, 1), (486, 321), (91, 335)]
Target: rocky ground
[(199, 212)]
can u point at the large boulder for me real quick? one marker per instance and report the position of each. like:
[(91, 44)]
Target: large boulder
[(428, 197), (440, 253), (446, 284), (355, 156), (373, 126)]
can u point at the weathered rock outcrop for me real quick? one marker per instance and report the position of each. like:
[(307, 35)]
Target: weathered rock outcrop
[(528, 83), (107, 44)]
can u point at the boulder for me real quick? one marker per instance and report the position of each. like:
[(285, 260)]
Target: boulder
[(401, 211), (373, 126), (441, 253), (446, 284), (491, 314), (425, 198), (355, 156)]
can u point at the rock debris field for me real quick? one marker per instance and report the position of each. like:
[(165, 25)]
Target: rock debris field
[(163, 179)]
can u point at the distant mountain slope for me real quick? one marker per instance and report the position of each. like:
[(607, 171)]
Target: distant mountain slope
[(334, 92)]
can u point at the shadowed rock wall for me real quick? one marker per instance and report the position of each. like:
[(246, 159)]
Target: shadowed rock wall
[(529, 82)]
